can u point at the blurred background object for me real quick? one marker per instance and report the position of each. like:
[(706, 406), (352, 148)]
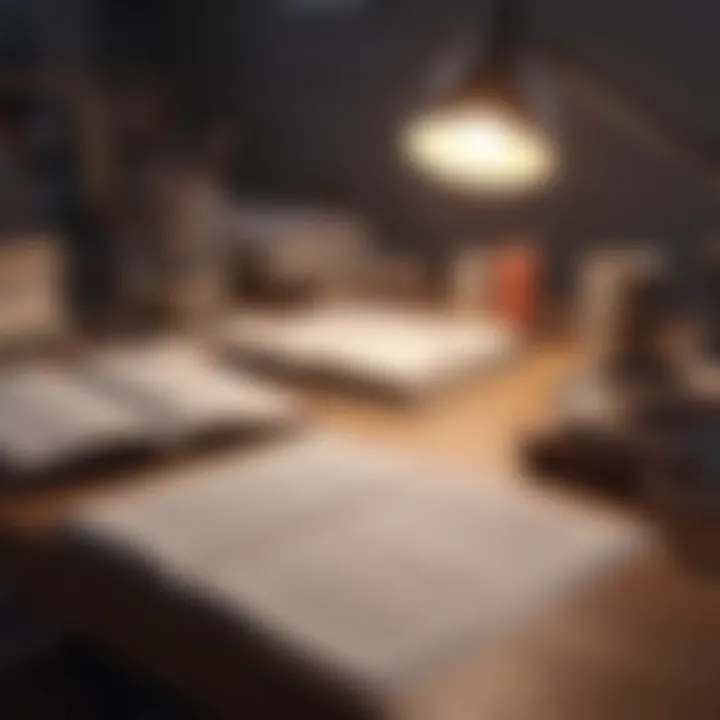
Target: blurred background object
[(32, 294)]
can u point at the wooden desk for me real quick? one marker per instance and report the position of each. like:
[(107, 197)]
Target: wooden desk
[(647, 647), (476, 425)]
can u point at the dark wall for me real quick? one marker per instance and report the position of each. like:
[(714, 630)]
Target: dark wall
[(318, 97), (328, 94), (321, 96), (59, 32)]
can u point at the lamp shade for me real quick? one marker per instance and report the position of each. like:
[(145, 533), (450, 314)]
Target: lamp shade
[(480, 146), (487, 137)]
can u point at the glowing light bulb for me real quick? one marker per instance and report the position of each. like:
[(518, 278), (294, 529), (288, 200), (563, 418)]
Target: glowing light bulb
[(480, 148)]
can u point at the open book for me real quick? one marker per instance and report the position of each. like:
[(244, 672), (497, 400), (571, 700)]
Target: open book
[(126, 400), (407, 353), (50, 419), (183, 392), (372, 571)]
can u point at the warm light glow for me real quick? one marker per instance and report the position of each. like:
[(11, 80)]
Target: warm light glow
[(480, 148)]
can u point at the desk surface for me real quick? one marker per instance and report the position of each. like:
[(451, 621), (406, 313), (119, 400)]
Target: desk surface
[(647, 648), (475, 426)]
